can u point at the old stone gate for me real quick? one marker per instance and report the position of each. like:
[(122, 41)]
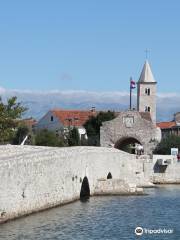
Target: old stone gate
[(128, 128)]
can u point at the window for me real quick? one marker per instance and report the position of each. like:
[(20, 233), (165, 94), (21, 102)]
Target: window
[(76, 119), (52, 119), (147, 91), (69, 120), (147, 109)]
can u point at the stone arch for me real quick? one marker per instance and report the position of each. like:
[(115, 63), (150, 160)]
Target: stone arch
[(127, 143), (109, 176), (85, 189)]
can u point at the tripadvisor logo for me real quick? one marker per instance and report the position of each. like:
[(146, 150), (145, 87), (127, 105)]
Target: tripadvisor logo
[(139, 231)]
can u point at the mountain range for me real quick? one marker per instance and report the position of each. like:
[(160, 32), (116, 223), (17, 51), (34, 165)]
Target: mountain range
[(39, 102)]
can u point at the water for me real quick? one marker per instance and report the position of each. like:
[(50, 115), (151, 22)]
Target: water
[(112, 217)]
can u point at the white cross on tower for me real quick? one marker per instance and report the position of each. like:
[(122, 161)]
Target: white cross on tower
[(147, 51)]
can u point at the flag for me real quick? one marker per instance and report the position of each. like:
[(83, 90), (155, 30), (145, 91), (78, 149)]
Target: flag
[(132, 84)]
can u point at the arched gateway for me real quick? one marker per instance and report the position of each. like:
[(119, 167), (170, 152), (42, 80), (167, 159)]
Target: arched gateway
[(127, 144), (135, 127), (128, 129)]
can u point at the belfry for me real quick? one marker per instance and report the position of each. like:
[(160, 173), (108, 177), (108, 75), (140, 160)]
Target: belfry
[(134, 127), (146, 92)]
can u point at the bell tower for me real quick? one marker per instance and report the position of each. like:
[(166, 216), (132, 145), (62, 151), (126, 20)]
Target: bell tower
[(146, 92)]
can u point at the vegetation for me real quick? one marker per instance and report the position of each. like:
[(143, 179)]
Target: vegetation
[(21, 133), (9, 115), (73, 137), (93, 125), (13, 131), (48, 138), (164, 147)]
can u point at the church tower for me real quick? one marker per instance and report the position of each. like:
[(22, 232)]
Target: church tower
[(146, 92)]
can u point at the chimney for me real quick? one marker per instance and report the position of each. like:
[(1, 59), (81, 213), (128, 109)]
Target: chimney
[(93, 109)]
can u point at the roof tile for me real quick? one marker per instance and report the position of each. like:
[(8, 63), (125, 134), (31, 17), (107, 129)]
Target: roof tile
[(164, 125), (73, 117)]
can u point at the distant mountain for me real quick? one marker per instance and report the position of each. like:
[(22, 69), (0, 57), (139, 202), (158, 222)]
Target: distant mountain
[(38, 103)]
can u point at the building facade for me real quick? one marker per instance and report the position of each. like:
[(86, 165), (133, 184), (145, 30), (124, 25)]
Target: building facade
[(60, 121), (130, 128), (146, 92), (171, 127)]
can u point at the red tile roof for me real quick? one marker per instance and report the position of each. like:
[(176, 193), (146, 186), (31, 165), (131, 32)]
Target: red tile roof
[(29, 122), (164, 125), (73, 117)]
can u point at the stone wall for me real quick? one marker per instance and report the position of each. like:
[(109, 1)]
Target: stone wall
[(144, 100), (35, 178), (130, 124), (162, 174)]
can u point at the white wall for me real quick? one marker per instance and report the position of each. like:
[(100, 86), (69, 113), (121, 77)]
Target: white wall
[(164, 174), (46, 123), (34, 178)]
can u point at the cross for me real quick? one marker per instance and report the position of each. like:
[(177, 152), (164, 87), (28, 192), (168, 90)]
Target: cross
[(147, 51)]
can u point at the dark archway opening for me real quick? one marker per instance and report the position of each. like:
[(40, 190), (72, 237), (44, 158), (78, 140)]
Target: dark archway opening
[(127, 144), (159, 168), (109, 176), (85, 190)]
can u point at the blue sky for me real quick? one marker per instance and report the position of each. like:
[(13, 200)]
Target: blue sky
[(93, 45)]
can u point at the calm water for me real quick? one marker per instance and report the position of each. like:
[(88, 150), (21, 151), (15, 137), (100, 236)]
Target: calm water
[(113, 217)]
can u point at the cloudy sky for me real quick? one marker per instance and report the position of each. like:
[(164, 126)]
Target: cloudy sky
[(88, 49), (39, 102)]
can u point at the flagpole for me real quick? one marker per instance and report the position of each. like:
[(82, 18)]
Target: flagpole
[(130, 102)]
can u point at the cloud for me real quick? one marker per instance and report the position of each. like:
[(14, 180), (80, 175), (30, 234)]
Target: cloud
[(39, 102), (2, 90)]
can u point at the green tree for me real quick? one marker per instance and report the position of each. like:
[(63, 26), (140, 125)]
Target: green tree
[(9, 115), (93, 125), (73, 137), (21, 133), (164, 147), (48, 138)]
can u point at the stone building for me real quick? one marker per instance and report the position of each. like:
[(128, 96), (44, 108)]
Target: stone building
[(60, 120), (129, 128), (171, 127), (135, 127), (146, 92)]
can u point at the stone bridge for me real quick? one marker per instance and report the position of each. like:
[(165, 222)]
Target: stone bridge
[(36, 178)]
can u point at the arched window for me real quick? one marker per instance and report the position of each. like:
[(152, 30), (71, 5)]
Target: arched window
[(109, 176), (147, 91), (147, 109)]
